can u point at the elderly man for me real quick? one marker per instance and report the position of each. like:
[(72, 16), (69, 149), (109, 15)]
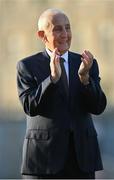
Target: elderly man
[(59, 90)]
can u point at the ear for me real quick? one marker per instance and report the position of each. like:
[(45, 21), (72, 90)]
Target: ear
[(41, 35)]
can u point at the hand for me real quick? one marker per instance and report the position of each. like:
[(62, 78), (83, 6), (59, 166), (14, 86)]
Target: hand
[(55, 66), (85, 66)]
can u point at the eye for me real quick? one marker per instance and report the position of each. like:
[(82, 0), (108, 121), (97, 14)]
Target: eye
[(67, 27), (58, 28)]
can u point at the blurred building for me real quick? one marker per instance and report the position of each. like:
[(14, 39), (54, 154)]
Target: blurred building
[(92, 23)]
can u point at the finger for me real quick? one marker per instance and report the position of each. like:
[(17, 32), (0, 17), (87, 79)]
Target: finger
[(57, 59), (57, 51), (87, 63), (89, 54), (55, 54), (85, 56), (84, 61)]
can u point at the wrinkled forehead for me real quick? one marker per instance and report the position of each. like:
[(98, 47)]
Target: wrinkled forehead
[(57, 19)]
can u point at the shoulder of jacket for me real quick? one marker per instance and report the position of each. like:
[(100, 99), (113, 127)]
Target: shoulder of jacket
[(31, 58), (29, 61), (74, 54)]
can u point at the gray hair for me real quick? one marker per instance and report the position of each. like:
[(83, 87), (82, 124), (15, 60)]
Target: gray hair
[(43, 19)]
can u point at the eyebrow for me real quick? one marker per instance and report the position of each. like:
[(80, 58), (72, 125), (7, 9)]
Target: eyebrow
[(61, 25)]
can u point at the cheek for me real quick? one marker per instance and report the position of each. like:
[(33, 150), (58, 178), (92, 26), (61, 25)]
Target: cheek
[(70, 36), (52, 43), (55, 42), (53, 39)]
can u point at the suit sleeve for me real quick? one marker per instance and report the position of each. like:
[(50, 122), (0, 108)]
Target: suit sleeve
[(93, 96), (30, 91)]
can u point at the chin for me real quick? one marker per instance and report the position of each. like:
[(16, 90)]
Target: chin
[(63, 50)]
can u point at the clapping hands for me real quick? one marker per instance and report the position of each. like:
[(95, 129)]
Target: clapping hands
[(85, 66)]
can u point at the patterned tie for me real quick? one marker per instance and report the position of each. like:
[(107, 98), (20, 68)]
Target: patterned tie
[(64, 75)]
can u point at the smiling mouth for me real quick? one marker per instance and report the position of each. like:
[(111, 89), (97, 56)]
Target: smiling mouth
[(63, 42)]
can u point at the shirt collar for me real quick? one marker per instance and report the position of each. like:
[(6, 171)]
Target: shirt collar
[(65, 55)]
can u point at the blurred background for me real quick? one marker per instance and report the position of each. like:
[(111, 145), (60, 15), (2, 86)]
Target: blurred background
[(92, 23)]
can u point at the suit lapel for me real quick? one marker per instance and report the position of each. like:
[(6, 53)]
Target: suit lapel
[(73, 69), (74, 63)]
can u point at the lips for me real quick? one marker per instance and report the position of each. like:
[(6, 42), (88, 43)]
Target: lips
[(63, 42)]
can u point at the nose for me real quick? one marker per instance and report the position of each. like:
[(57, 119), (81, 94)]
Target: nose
[(64, 32)]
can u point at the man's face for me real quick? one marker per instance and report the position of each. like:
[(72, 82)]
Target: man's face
[(58, 33)]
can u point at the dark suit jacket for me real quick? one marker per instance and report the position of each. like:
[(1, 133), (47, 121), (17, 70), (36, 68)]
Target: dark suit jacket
[(51, 115)]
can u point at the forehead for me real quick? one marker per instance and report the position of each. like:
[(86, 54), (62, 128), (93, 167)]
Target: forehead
[(58, 19)]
